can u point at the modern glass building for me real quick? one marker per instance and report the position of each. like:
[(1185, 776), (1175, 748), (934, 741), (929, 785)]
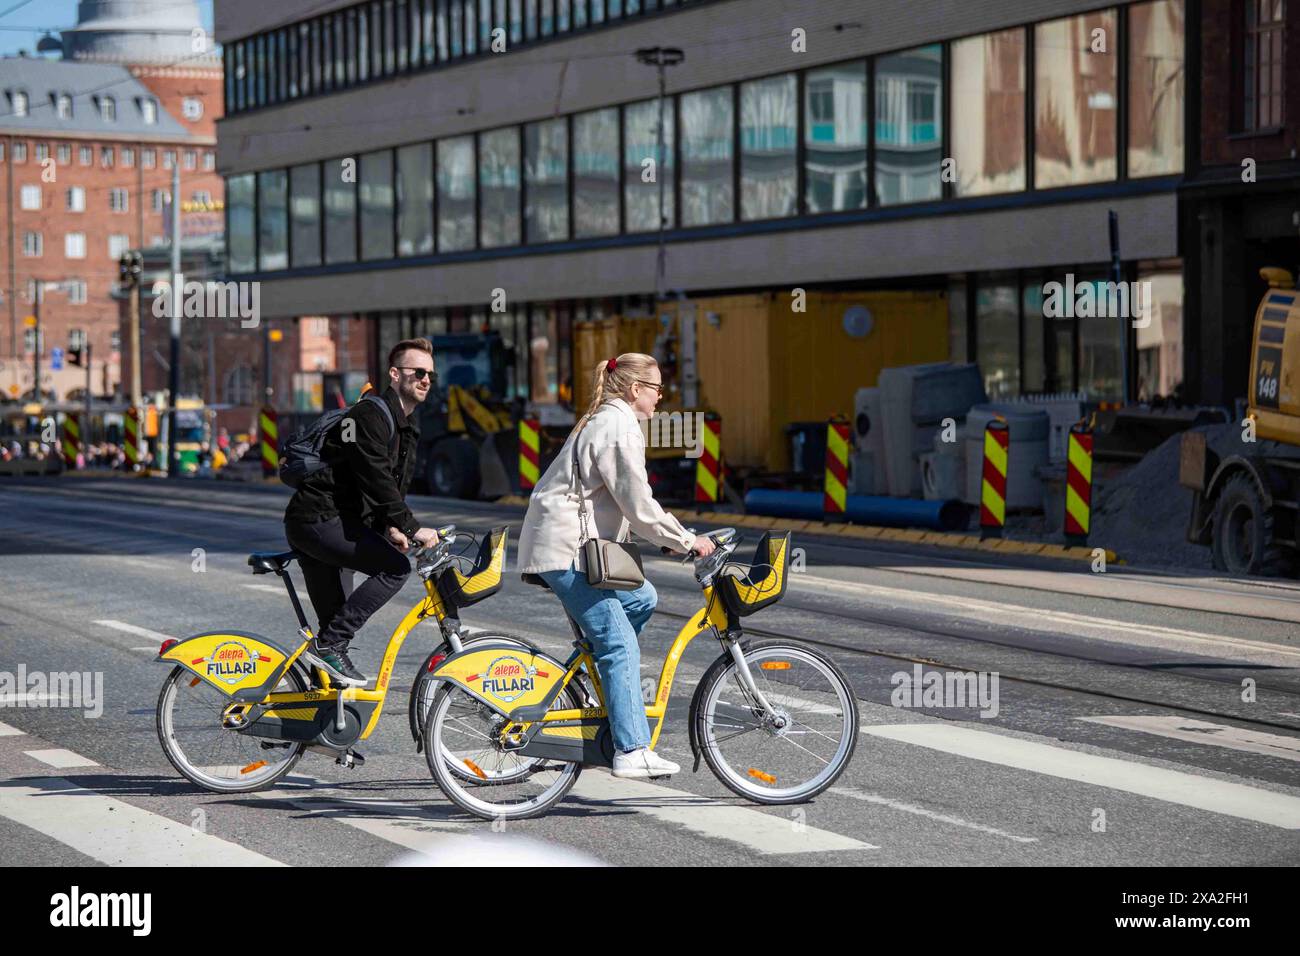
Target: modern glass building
[(418, 162)]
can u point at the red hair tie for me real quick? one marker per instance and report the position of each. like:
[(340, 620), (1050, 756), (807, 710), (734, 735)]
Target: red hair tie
[(611, 365)]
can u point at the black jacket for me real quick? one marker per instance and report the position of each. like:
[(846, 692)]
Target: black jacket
[(367, 478)]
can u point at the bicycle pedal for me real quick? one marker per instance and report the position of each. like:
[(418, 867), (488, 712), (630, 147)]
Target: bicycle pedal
[(351, 760)]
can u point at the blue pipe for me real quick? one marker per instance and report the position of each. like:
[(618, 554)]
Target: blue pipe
[(948, 515)]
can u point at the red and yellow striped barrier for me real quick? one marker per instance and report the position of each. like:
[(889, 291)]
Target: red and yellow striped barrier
[(529, 454), (131, 443), (70, 443), (270, 433), (708, 469), (1078, 485), (993, 485), (836, 492)]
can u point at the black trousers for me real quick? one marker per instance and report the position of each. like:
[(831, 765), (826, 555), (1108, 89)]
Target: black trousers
[(337, 546)]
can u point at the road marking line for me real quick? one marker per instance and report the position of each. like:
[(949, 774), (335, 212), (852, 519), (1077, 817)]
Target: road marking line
[(37, 700), (922, 811), (1204, 732), (137, 631), (762, 832), (1173, 786), (264, 587), (7, 731), (114, 832), (1026, 617), (58, 757)]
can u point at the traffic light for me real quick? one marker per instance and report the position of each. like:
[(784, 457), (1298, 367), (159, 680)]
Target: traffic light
[(130, 266)]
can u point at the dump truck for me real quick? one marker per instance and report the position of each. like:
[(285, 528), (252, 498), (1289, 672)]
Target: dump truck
[(1245, 503)]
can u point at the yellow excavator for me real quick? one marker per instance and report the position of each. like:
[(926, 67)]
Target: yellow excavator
[(1246, 504)]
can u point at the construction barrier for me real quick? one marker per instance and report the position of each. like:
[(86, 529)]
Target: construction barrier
[(708, 468), (71, 440), (132, 442), (836, 491), (993, 486), (266, 426), (529, 454), (1078, 485)]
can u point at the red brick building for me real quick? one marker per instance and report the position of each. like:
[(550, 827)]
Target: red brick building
[(88, 144)]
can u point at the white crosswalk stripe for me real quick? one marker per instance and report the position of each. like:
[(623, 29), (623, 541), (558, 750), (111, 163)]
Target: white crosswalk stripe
[(1204, 732), (60, 758)]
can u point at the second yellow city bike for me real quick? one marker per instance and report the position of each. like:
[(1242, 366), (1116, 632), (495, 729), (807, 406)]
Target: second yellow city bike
[(508, 730)]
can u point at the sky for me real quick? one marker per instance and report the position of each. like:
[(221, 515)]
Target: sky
[(23, 23)]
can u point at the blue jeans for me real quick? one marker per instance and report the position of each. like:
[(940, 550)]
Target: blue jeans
[(611, 621)]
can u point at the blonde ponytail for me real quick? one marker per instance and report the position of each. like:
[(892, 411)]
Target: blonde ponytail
[(614, 382)]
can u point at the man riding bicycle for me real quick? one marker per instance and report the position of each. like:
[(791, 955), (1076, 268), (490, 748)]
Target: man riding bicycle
[(352, 515)]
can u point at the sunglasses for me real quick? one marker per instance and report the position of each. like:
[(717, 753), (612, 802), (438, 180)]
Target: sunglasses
[(419, 373), (658, 386)]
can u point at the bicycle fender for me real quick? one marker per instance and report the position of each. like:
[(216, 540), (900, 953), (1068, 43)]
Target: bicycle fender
[(505, 677), (243, 666)]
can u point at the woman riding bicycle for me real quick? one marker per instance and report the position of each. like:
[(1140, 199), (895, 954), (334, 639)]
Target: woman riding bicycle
[(612, 477)]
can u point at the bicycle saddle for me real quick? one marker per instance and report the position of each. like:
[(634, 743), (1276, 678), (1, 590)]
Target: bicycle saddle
[(268, 562)]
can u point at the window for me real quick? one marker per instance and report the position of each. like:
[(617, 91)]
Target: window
[(157, 198), (63, 154), (498, 178), (304, 215), (77, 292), (988, 111), (76, 339), (31, 197), (42, 152), (33, 244), (415, 199), (74, 245), (118, 243), (201, 197), (1075, 99), (115, 341), (128, 156), (209, 161), (76, 199), (169, 158), (192, 108), (85, 155), (108, 109), (106, 156), (595, 173), (1263, 83), (148, 158), (768, 140), (707, 126), (272, 220), (340, 214), (239, 386), (909, 125), (18, 103), (20, 152), (118, 199), (149, 110), (1155, 88), (1160, 343), (642, 171), (546, 171), (240, 238), (997, 337), (63, 106), (456, 191), (835, 137), (191, 159), (1100, 354), (375, 195)]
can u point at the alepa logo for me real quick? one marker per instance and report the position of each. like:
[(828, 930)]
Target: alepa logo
[(508, 679), (230, 662)]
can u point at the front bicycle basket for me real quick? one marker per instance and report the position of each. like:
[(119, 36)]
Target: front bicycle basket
[(484, 578), (765, 582)]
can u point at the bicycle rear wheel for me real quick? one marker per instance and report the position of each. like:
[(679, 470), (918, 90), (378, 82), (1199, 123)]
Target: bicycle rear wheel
[(217, 759), (461, 733), (793, 751)]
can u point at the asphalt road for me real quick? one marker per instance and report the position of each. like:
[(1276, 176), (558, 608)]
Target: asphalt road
[(1142, 718)]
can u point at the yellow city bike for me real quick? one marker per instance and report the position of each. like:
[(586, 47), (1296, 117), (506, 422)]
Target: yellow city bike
[(238, 711), (776, 721)]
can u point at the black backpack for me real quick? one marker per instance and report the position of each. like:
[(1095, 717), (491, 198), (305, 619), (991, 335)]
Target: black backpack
[(300, 454)]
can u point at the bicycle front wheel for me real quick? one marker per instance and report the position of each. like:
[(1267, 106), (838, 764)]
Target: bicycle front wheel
[(790, 750)]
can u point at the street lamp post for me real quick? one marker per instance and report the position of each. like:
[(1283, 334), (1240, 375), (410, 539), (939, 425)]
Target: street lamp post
[(661, 57)]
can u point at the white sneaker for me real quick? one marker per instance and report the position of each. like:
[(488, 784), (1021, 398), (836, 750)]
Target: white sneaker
[(643, 763)]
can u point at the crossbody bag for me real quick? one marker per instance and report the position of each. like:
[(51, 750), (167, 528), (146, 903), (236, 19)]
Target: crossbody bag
[(611, 565)]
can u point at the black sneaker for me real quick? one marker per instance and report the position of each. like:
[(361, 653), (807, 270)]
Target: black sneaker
[(337, 664)]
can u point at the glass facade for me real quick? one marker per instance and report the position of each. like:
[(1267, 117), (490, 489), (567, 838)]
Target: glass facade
[(997, 336), (769, 130), (642, 168), (241, 222), (595, 173), (415, 200), (1076, 77), (456, 194), (304, 215), (988, 106), (835, 137), (498, 181), (908, 134), (1156, 84), (707, 157), (375, 190), (546, 173), (340, 212)]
